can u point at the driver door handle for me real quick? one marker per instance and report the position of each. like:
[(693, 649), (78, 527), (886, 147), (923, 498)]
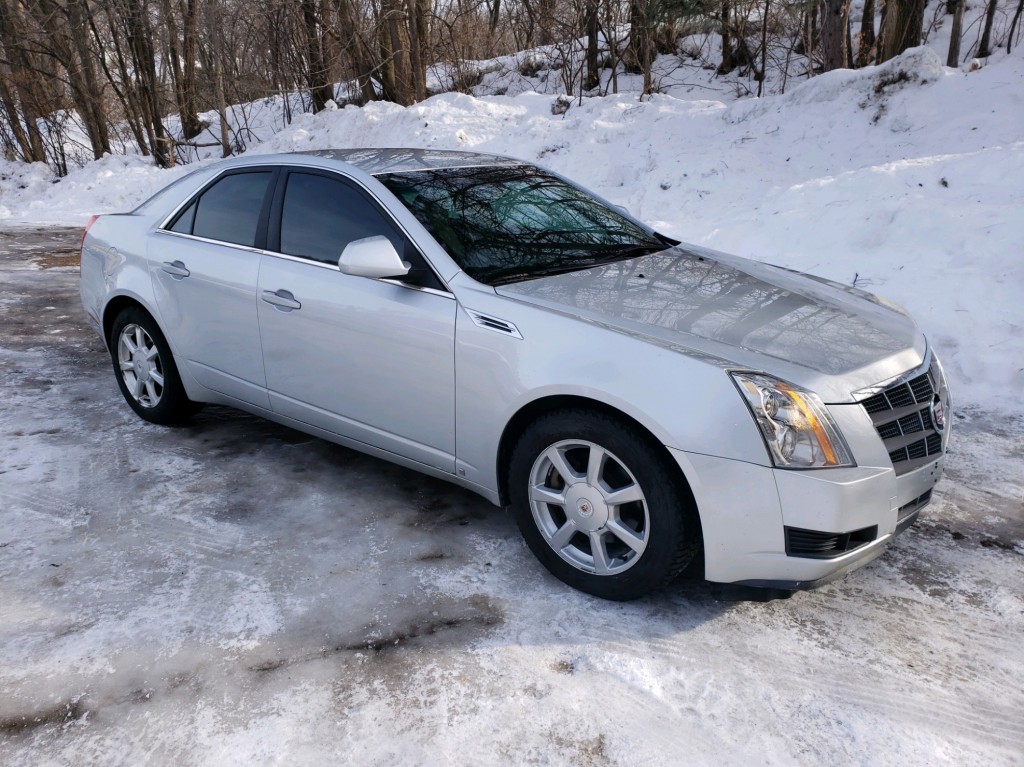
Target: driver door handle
[(282, 299)]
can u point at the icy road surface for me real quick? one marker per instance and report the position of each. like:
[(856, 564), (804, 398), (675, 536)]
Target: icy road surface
[(233, 592)]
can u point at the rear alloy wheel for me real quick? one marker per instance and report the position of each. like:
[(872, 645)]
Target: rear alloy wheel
[(145, 369), (600, 506)]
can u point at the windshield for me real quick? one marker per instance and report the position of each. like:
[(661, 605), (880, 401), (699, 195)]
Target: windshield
[(506, 224)]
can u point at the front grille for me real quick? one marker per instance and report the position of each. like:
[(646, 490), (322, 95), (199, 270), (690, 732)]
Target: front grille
[(902, 415), (817, 544)]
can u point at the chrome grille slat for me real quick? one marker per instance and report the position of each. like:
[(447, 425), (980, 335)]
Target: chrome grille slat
[(902, 416)]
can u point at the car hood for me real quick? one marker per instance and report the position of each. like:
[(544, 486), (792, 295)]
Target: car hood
[(742, 314)]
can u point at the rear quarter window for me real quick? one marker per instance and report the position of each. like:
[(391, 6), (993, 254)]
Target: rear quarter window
[(229, 211)]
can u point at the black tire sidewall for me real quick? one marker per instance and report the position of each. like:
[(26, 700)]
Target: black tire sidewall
[(674, 535), (174, 406)]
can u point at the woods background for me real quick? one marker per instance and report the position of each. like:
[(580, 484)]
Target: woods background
[(102, 75)]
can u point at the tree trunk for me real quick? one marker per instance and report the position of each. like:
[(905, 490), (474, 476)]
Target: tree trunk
[(902, 27), (183, 63), (14, 119), (320, 90), (125, 91), (27, 87), (593, 73), (867, 35), (72, 51), (418, 15), (546, 21), (953, 57), (984, 47), (494, 16), (835, 25), (357, 50), (764, 48), (727, 64), (880, 39), (1013, 25), (639, 50)]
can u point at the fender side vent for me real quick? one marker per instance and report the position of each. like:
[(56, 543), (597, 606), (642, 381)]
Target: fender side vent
[(493, 323), (817, 544)]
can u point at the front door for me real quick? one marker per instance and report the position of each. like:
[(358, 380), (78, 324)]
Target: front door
[(372, 360)]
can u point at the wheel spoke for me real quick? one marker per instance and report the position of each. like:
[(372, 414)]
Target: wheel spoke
[(595, 465), (152, 352), (600, 555), (126, 366), (129, 344), (562, 536), (151, 391), (544, 494), (136, 387), (562, 466), (157, 377), (627, 494), (140, 338), (627, 536)]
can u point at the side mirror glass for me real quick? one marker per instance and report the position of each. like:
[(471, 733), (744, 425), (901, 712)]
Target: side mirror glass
[(373, 257)]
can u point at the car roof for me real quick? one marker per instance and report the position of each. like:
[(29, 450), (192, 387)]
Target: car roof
[(393, 160)]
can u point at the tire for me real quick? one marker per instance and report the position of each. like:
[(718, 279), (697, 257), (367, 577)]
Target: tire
[(600, 504), (145, 370)]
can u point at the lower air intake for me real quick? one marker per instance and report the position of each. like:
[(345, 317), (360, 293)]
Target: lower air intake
[(816, 544)]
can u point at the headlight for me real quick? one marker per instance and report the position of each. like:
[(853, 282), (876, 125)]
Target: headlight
[(799, 432)]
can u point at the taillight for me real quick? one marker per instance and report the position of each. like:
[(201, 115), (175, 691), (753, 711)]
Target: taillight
[(92, 220)]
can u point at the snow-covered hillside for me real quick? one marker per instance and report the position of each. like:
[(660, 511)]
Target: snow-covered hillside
[(905, 179)]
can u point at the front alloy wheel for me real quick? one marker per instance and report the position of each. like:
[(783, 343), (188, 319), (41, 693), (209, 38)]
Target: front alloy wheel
[(601, 504), (589, 507)]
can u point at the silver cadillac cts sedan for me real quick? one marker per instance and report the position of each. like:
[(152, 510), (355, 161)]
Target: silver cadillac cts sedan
[(634, 400)]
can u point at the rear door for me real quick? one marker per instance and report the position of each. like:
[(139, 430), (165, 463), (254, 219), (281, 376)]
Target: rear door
[(372, 360), (206, 265)]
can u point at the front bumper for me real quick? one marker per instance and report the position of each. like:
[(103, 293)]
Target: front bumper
[(745, 510)]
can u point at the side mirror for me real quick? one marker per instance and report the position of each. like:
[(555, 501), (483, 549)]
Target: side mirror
[(373, 257)]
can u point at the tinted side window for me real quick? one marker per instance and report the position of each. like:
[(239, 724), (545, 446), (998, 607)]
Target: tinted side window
[(230, 209), (185, 220), (321, 215)]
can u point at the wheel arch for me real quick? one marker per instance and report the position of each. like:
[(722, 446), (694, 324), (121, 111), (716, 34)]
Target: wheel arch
[(533, 410), (118, 304)]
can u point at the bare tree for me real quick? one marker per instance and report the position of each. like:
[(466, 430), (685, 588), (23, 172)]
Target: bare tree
[(1013, 25), (901, 27), (835, 30), (984, 47), (956, 32), (866, 36)]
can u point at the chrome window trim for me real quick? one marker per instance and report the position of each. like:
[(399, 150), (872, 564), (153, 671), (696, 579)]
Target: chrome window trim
[(380, 204), (334, 268), (222, 243), (302, 260), (161, 228)]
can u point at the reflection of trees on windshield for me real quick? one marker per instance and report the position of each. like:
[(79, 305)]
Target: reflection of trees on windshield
[(502, 224)]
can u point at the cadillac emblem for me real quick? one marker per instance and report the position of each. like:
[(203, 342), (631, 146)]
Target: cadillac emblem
[(938, 414)]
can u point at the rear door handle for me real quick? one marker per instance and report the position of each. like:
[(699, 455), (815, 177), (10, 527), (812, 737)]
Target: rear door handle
[(176, 269), (282, 299)]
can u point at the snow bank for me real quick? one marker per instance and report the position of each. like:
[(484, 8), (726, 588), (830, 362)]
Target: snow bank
[(905, 179)]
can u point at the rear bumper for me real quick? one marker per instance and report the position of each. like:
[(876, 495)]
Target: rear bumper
[(746, 510)]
